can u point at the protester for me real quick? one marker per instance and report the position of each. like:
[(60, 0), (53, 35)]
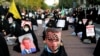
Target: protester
[(53, 44), (86, 30), (4, 51), (96, 51), (27, 29)]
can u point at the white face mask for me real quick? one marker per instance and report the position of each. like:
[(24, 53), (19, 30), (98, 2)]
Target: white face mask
[(42, 16), (30, 14), (2, 16), (90, 22), (10, 20), (26, 29), (80, 22)]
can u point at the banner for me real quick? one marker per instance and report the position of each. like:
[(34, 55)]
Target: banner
[(90, 30), (61, 23), (39, 21), (14, 11)]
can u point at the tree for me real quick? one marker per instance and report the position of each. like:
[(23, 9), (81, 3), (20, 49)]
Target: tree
[(44, 5), (31, 4), (93, 2), (65, 3)]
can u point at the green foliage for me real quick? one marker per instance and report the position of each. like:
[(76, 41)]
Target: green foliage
[(44, 5), (93, 2), (66, 3), (31, 4)]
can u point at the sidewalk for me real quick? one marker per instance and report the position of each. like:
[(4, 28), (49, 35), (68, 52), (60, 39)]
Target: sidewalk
[(72, 44)]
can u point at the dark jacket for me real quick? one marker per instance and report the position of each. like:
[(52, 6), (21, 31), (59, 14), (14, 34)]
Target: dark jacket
[(61, 52), (4, 51)]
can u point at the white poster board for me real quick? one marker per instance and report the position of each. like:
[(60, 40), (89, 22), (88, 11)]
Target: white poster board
[(61, 23), (39, 21), (71, 20), (90, 30), (67, 18)]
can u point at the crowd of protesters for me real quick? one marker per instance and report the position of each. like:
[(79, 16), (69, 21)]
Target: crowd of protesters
[(78, 19)]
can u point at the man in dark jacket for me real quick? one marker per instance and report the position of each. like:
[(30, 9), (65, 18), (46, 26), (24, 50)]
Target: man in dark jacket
[(53, 43)]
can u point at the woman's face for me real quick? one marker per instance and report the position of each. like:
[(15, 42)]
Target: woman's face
[(26, 28), (90, 22), (10, 20)]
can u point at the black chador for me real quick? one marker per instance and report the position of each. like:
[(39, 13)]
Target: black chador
[(97, 49), (60, 52), (3, 47), (78, 26), (84, 35), (26, 29)]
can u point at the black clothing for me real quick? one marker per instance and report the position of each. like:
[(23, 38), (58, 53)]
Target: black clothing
[(15, 30), (78, 27), (98, 19), (34, 37), (52, 23), (43, 37), (4, 51), (6, 26), (61, 52), (3, 11), (1, 28), (97, 49), (34, 21), (81, 14), (84, 36), (66, 24)]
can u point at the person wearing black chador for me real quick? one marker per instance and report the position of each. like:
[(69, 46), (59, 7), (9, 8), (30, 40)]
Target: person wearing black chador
[(27, 29), (97, 48), (4, 51), (53, 45), (91, 39), (78, 27)]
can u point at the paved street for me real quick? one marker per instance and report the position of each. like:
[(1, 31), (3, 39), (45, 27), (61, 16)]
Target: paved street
[(97, 28), (72, 44)]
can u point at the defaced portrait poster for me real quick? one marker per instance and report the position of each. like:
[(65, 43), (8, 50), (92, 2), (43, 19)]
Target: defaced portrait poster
[(26, 44)]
